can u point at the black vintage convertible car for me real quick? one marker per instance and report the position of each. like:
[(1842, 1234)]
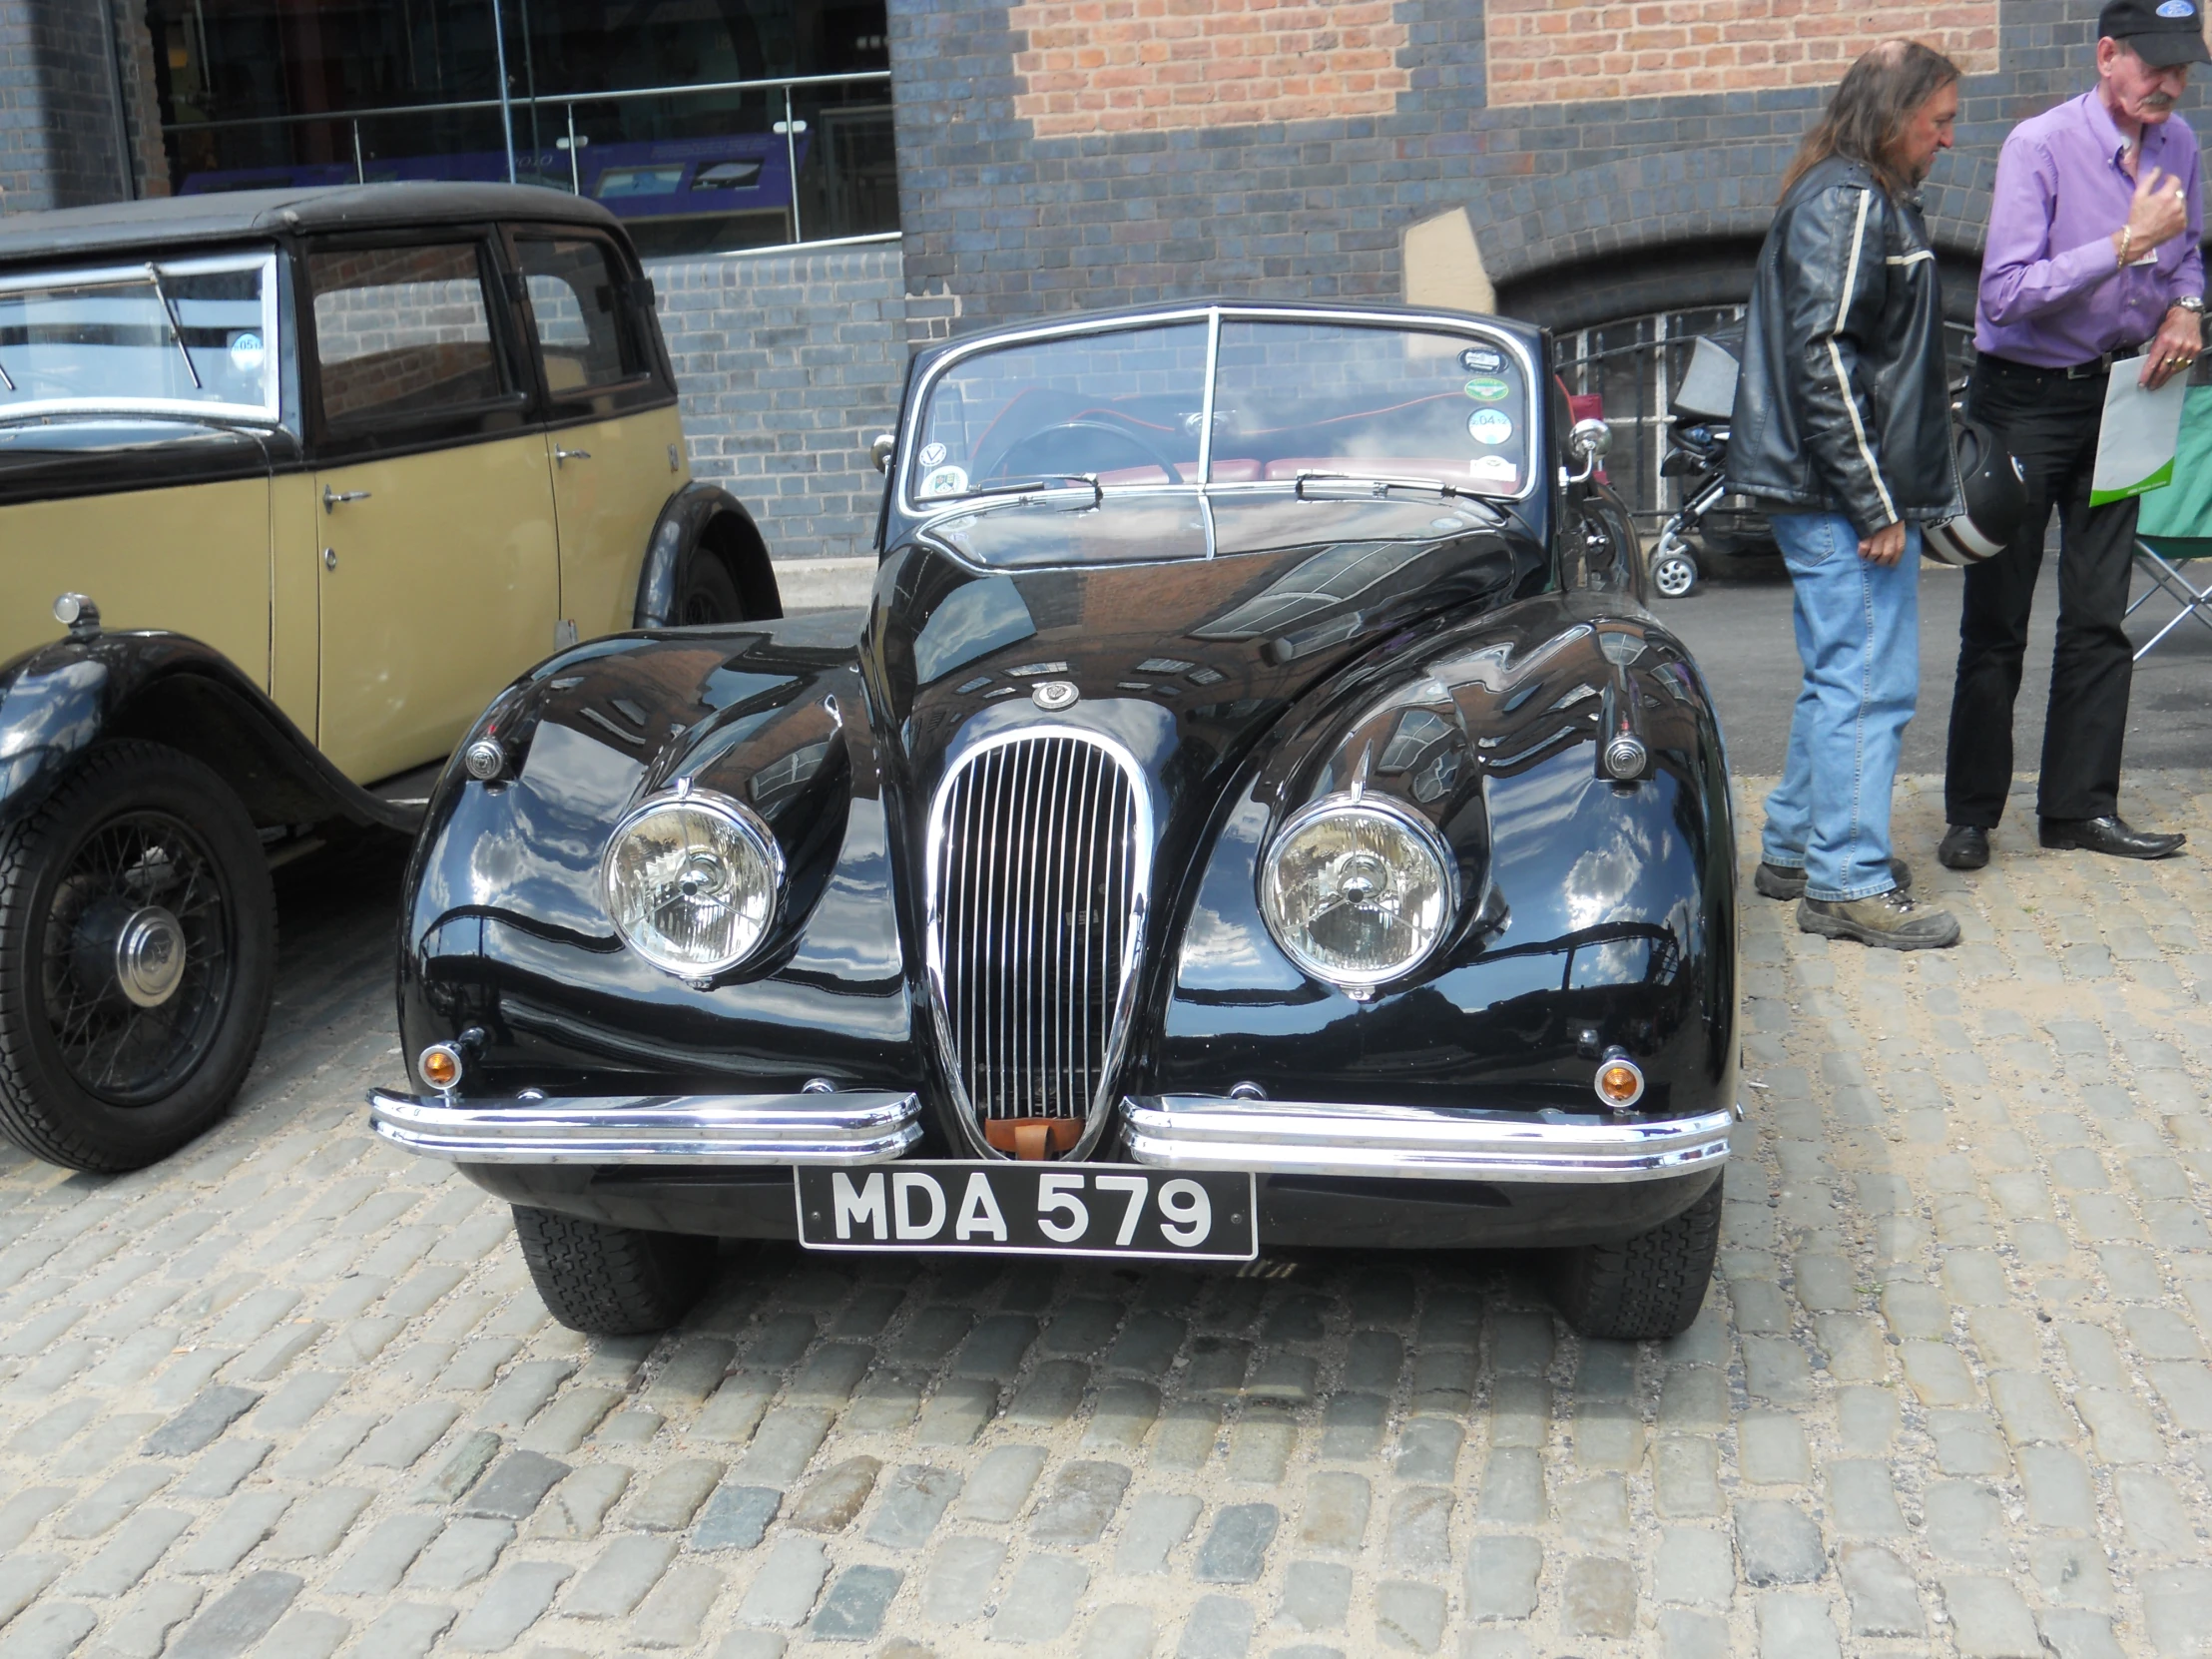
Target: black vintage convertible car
[(1255, 810)]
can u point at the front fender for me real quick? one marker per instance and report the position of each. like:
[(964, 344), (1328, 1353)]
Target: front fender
[(702, 514), (1595, 915), (503, 926), (60, 699)]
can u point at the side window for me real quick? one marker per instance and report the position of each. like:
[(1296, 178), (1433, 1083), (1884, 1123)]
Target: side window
[(401, 332), (584, 336)]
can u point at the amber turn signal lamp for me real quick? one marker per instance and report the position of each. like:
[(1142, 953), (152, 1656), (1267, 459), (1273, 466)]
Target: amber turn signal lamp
[(440, 1065), (1621, 1084)]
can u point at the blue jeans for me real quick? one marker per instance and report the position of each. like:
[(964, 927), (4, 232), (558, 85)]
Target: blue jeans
[(1858, 636)]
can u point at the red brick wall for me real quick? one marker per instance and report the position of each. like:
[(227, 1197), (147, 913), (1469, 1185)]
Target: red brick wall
[(1118, 65), (1546, 51)]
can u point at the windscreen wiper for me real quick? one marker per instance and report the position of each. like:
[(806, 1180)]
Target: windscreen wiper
[(176, 328), (1038, 484), (1376, 484)]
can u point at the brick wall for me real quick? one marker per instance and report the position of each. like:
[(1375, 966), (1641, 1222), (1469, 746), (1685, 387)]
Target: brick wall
[(1664, 47), (1013, 208), (1120, 68), (787, 365), (60, 72)]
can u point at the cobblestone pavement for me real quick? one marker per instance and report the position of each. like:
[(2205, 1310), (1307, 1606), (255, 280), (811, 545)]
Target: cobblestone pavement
[(291, 1392)]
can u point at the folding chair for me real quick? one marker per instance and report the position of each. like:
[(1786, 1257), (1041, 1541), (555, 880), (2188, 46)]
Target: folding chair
[(2174, 524)]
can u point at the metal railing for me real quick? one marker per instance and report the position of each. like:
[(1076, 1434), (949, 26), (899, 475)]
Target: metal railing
[(837, 188)]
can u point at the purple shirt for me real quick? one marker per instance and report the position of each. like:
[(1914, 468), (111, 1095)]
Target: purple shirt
[(2050, 293)]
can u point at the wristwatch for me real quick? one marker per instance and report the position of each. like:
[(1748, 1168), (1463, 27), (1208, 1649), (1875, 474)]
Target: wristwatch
[(2188, 303)]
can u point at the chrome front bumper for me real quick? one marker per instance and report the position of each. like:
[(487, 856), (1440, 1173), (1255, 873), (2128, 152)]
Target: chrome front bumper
[(1177, 1131), (1202, 1132), (858, 1126)]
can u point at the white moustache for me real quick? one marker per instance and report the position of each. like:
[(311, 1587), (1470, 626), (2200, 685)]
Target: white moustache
[(2158, 101)]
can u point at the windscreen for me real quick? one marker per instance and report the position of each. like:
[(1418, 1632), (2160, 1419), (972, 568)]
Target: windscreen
[(194, 336), (1290, 399)]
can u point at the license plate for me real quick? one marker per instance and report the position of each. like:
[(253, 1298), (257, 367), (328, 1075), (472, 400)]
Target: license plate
[(1031, 1209)]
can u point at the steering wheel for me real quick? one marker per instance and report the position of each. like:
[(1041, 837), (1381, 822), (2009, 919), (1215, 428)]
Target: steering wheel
[(1071, 448)]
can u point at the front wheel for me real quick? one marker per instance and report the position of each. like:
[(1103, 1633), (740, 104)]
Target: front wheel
[(612, 1280), (1673, 569), (138, 943), (1646, 1288)]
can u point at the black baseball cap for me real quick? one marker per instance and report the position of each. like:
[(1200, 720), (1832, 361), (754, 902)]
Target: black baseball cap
[(2162, 33)]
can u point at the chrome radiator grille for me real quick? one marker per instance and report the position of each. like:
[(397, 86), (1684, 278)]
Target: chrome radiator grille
[(1038, 861)]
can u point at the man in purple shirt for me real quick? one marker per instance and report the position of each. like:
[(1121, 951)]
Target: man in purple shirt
[(2092, 269)]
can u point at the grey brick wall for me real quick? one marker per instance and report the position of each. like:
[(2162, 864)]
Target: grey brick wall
[(787, 365), (59, 78), (1582, 210)]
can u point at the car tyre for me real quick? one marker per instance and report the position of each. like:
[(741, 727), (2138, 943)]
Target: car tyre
[(1646, 1288), (612, 1280), (706, 592), (140, 856)]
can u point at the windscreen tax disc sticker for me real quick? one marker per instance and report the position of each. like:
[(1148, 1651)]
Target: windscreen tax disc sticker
[(1487, 388), (1479, 359), (1492, 426), (933, 454), (946, 480), (247, 352)]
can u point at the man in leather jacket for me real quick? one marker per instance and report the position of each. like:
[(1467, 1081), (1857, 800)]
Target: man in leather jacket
[(1842, 430)]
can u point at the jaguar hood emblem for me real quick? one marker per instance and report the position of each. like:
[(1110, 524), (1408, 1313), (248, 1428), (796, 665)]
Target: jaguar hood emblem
[(1054, 695)]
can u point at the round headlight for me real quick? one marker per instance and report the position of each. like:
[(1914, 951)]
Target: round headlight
[(1357, 891), (690, 882)]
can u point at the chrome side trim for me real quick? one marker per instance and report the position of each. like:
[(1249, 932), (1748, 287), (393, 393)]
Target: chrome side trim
[(853, 1126), (1206, 1132)]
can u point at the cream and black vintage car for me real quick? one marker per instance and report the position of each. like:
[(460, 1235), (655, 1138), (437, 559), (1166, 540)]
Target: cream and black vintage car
[(291, 482)]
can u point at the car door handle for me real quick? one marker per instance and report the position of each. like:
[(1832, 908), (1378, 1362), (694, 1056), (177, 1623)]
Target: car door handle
[(560, 455), (331, 497)]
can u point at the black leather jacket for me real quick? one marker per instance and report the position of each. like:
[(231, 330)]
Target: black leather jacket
[(1842, 404)]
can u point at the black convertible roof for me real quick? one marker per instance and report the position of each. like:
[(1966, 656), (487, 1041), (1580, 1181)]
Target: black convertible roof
[(242, 215)]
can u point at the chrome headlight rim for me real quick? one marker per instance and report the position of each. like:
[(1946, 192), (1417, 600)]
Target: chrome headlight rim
[(1345, 802), (750, 827)]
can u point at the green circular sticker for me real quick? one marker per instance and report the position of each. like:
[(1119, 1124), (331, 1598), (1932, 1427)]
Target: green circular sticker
[(1487, 389)]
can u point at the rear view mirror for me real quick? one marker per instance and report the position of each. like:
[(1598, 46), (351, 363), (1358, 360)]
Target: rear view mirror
[(881, 448)]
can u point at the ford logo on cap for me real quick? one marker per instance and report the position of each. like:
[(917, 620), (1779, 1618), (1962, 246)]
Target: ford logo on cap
[(2177, 8)]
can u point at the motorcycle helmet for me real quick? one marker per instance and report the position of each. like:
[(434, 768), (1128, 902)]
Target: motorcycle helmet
[(1996, 501)]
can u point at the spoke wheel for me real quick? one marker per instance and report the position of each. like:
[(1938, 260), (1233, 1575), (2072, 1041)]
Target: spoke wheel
[(137, 937)]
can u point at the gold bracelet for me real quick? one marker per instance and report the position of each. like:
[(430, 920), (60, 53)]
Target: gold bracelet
[(2127, 241)]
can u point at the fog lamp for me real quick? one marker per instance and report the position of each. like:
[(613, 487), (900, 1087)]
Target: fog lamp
[(440, 1066), (1620, 1082)]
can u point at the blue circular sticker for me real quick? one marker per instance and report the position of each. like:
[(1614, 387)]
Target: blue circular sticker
[(1489, 426), (247, 352)]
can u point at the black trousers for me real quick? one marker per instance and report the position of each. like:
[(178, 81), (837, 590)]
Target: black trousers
[(2050, 424)]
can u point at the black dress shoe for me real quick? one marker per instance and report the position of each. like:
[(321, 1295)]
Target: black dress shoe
[(1964, 847), (2108, 835)]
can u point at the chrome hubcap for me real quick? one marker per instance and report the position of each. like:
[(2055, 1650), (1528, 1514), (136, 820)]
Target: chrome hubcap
[(149, 956)]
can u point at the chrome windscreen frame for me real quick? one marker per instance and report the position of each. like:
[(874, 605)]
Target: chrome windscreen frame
[(1101, 1114), (269, 412), (1212, 316)]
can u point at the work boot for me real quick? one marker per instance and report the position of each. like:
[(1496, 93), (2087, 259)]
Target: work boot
[(1889, 921), (1781, 881)]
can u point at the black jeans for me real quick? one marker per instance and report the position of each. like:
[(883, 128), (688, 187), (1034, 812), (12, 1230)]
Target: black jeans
[(2050, 424)]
